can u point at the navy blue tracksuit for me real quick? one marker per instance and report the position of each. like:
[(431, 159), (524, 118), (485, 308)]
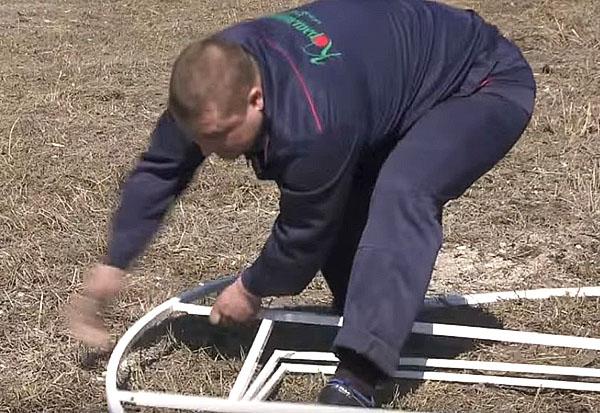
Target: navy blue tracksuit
[(377, 113)]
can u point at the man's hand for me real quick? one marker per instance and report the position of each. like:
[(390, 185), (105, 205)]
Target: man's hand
[(235, 305), (103, 284)]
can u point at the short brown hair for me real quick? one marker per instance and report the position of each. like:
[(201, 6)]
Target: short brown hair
[(210, 70)]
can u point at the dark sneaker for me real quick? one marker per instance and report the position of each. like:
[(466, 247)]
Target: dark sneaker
[(340, 393)]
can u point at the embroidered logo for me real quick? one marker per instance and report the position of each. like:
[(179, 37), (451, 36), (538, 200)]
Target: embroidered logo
[(320, 47)]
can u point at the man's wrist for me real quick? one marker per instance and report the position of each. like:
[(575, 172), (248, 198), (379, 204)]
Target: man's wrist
[(249, 287), (104, 283), (115, 261)]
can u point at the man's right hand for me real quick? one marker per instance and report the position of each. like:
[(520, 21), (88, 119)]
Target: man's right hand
[(102, 286)]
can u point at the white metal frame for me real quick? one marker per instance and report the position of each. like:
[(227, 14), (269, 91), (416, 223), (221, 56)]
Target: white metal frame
[(274, 370), (247, 395)]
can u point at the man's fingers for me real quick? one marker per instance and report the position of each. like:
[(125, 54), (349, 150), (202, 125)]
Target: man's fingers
[(93, 336), (218, 318), (91, 332), (234, 306), (215, 316), (85, 323)]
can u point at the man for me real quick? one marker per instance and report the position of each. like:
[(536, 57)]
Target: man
[(370, 116)]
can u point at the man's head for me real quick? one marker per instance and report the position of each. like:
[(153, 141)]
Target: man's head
[(215, 95)]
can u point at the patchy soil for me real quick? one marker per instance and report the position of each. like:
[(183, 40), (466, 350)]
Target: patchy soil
[(82, 84)]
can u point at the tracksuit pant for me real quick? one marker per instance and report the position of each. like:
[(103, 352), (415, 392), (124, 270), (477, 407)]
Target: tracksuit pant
[(380, 267)]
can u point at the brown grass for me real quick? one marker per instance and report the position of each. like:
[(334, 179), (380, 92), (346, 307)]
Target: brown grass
[(82, 84)]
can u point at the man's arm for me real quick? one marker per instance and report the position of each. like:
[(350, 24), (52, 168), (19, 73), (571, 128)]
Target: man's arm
[(162, 173), (160, 176), (314, 195)]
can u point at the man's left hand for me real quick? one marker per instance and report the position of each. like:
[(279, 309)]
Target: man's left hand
[(235, 305)]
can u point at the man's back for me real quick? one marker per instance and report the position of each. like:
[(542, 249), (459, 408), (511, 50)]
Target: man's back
[(376, 65)]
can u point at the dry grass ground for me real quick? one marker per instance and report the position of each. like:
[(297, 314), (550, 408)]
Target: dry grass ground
[(81, 84)]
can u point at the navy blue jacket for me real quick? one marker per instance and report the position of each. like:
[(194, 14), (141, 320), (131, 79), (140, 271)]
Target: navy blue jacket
[(342, 79)]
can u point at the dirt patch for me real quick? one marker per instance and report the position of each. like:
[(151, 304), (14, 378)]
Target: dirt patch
[(82, 84)]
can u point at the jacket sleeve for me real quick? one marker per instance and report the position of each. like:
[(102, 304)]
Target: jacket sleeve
[(314, 190), (159, 177)]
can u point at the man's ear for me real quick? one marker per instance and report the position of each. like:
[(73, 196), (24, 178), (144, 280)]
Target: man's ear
[(256, 99)]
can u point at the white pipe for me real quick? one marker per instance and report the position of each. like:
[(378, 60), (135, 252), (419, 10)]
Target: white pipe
[(449, 364), (276, 378), (214, 404), (160, 312), (453, 364), (266, 390), (266, 372), (433, 329), (476, 299), (488, 298), (249, 366), (310, 355), (498, 380), (284, 368), (508, 336), (136, 330), (504, 367), (278, 315), (260, 390), (276, 357), (192, 309), (454, 377)]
